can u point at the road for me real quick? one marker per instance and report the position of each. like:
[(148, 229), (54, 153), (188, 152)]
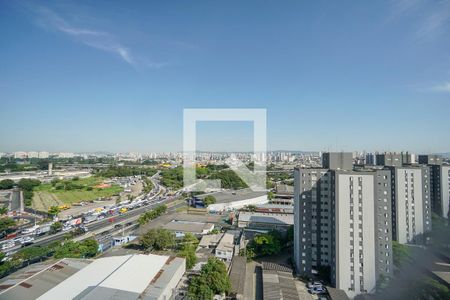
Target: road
[(131, 215)]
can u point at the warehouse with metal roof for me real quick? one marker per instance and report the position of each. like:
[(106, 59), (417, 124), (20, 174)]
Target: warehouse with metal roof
[(134, 276), (36, 280)]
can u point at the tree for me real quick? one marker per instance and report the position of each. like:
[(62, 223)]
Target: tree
[(209, 200), (3, 210), (28, 184), (53, 210), (431, 289), (55, 227), (250, 207), (213, 279), (290, 234), (6, 224), (89, 247), (158, 239), (266, 244), (6, 184), (190, 239), (70, 249), (152, 214), (187, 250), (401, 253)]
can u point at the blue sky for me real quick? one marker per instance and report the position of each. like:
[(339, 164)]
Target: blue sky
[(341, 75)]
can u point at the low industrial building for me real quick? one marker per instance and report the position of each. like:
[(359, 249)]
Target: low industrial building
[(135, 276), (275, 208), (225, 248), (230, 200), (269, 221), (210, 241), (35, 280), (278, 282), (181, 227)]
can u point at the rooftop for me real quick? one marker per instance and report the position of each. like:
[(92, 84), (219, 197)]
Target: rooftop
[(124, 277), (210, 240), (226, 243), (237, 274), (188, 226), (271, 218), (278, 282), (35, 280), (231, 195)]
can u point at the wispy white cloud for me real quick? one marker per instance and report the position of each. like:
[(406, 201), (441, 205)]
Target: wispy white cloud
[(432, 19), (90, 37), (436, 23), (444, 88)]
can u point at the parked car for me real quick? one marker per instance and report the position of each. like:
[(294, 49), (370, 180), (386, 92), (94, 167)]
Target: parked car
[(7, 245), (318, 290), (314, 284)]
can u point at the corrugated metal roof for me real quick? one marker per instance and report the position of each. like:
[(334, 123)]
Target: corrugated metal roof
[(128, 273), (35, 281)]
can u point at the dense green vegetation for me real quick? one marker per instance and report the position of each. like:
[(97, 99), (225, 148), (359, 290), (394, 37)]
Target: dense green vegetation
[(6, 224), (157, 239), (172, 178), (27, 186), (440, 233), (209, 200), (152, 214), (84, 249), (264, 244), (70, 249), (72, 190), (401, 253), (162, 239), (56, 227), (186, 249), (213, 279), (6, 184), (229, 180), (13, 166), (125, 171), (148, 184)]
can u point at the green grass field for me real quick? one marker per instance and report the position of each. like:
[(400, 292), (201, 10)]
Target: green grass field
[(83, 189)]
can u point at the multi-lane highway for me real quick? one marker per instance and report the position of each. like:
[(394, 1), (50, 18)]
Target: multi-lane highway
[(157, 196)]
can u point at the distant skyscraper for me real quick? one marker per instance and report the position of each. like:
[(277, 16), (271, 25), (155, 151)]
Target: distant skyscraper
[(370, 159), (337, 160), (389, 159), (43, 154)]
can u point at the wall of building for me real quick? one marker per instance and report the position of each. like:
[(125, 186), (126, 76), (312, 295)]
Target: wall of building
[(408, 204), (445, 187), (238, 204), (355, 267)]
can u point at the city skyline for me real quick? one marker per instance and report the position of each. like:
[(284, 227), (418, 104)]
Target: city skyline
[(83, 77)]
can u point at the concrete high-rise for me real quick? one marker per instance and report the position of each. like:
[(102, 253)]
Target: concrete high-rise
[(343, 221), (411, 204), (439, 183), (389, 159)]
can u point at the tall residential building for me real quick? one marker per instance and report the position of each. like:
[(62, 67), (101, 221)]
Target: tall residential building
[(370, 159), (337, 160), (342, 220), (439, 182), (389, 159), (411, 204)]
